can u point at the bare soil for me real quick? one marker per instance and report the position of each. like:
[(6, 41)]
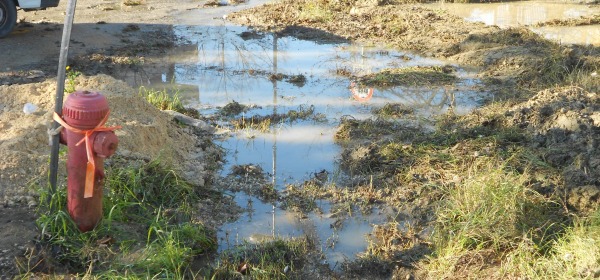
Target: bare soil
[(111, 38)]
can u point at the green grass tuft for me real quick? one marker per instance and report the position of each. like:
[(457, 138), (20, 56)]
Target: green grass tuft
[(276, 259), (165, 100), (491, 213), (576, 255)]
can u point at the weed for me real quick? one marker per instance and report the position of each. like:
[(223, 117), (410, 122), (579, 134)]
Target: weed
[(388, 239), (268, 193), (586, 20), (393, 110), (352, 129), (368, 267), (298, 80), (316, 11), (213, 3), (264, 123), (71, 76), (575, 255), (259, 123), (553, 68), (162, 100), (302, 198), (233, 109)]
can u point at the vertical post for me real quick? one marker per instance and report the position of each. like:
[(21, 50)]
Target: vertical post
[(60, 89)]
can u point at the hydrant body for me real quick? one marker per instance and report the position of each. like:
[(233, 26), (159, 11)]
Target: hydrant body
[(84, 114)]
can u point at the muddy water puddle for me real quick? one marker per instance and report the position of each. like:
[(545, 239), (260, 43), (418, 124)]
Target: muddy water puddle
[(339, 239), (215, 65), (585, 35), (521, 13)]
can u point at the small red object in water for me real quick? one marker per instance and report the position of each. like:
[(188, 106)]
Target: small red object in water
[(361, 93)]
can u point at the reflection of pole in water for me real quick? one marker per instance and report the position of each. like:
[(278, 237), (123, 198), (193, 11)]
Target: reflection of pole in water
[(223, 77), (427, 98), (449, 93), (274, 81)]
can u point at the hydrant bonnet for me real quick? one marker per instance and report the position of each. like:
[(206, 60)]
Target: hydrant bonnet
[(84, 109)]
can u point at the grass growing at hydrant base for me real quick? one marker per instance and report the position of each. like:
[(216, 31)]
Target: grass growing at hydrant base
[(147, 232)]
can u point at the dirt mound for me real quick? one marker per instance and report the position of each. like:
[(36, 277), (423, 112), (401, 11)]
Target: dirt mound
[(565, 122), (571, 109), (147, 133)]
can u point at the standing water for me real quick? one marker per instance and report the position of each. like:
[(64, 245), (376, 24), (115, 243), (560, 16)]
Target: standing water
[(218, 63), (524, 13)]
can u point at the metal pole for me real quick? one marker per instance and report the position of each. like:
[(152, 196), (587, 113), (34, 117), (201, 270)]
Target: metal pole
[(60, 89)]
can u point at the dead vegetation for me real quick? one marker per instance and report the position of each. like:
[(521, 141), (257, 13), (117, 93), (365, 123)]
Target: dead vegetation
[(411, 76), (589, 20)]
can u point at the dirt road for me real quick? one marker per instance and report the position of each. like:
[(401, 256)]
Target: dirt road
[(98, 29)]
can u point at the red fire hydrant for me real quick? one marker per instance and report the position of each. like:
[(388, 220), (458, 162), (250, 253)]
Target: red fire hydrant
[(90, 142)]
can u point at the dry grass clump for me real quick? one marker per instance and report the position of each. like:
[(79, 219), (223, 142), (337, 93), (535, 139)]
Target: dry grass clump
[(351, 130), (213, 3), (393, 110), (588, 20), (264, 123), (410, 76), (388, 240), (131, 3)]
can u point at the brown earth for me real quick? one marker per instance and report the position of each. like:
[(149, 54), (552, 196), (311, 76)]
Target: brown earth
[(128, 41)]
